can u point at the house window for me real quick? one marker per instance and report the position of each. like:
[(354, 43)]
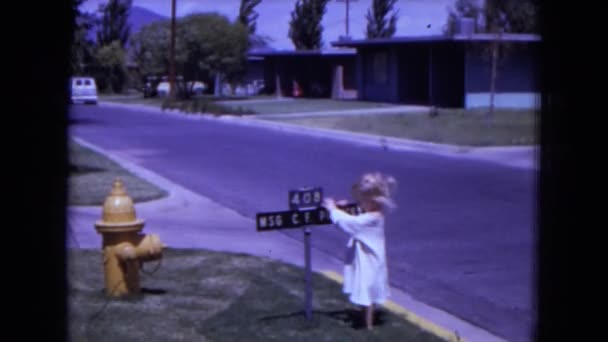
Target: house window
[(380, 68)]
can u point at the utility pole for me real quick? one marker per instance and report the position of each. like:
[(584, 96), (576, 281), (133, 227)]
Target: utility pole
[(347, 16), (346, 23), (172, 55)]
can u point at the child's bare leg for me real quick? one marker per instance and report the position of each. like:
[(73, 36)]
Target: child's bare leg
[(369, 317)]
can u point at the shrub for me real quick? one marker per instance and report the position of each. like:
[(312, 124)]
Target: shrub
[(185, 106), (195, 106), (165, 105), (206, 106)]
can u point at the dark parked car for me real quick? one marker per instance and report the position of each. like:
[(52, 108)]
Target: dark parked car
[(150, 85)]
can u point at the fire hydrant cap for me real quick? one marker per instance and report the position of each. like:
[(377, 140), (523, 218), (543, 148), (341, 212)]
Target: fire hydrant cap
[(118, 206)]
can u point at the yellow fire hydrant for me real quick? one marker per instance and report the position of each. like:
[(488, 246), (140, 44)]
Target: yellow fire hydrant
[(125, 249)]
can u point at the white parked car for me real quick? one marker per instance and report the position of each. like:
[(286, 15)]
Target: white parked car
[(198, 88), (163, 89), (83, 89)]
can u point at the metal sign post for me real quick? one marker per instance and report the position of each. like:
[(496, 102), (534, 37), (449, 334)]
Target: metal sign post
[(306, 211), (308, 276), (302, 199)]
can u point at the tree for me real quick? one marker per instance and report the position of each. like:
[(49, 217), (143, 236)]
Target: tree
[(506, 16), (493, 16), (210, 43), (305, 29), (496, 17), (377, 24), (112, 38), (248, 17), (462, 9), (151, 48), (114, 22), (111, 61), (82, 47), (207, 45), (513, 16)]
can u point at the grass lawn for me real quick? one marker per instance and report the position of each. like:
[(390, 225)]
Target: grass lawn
[(198, 295), (451, 126), (311, 105), (139, 99), (262, 107), (460, 127), (132, 99), (239, 97), (92, 175)]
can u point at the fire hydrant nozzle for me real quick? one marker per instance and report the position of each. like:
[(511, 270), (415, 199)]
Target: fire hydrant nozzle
[(124, 246), (125, 251)]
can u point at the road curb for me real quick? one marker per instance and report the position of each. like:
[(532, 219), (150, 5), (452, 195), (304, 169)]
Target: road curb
[(494, 154), (397, 109), (407, 315)]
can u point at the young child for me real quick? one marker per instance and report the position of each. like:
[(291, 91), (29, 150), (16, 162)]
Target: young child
[(365, 270)]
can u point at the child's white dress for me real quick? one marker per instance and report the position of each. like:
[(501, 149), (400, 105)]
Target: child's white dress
[(365, 270)]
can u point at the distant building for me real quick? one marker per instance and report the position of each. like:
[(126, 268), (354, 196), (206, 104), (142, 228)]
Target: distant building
[(324, 73), (446, 71), (255, 69)]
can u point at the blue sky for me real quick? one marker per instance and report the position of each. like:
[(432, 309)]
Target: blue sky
[(274, 16)]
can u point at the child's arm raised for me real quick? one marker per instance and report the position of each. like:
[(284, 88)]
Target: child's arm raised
[(351, 224)]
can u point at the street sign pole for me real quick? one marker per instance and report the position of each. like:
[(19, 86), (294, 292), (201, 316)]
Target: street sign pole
[(308, 273), (306, 198), (305, 211)]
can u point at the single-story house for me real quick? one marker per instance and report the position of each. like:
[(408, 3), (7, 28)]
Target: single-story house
[(310, 73), (255, 69), (447, 71)]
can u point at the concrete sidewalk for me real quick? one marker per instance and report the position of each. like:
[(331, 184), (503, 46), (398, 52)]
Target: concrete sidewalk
[(525, 157), (188, 220)]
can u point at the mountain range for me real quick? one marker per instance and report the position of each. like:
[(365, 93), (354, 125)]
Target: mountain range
[(138, 18)]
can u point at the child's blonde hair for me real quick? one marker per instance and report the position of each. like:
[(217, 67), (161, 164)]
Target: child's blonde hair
[(376, 187)]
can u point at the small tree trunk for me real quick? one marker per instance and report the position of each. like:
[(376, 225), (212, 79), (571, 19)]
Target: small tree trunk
[(493, 77), (278, 90), (217, 91)]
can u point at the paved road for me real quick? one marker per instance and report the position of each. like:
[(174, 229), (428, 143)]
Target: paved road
[(462, 239)]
